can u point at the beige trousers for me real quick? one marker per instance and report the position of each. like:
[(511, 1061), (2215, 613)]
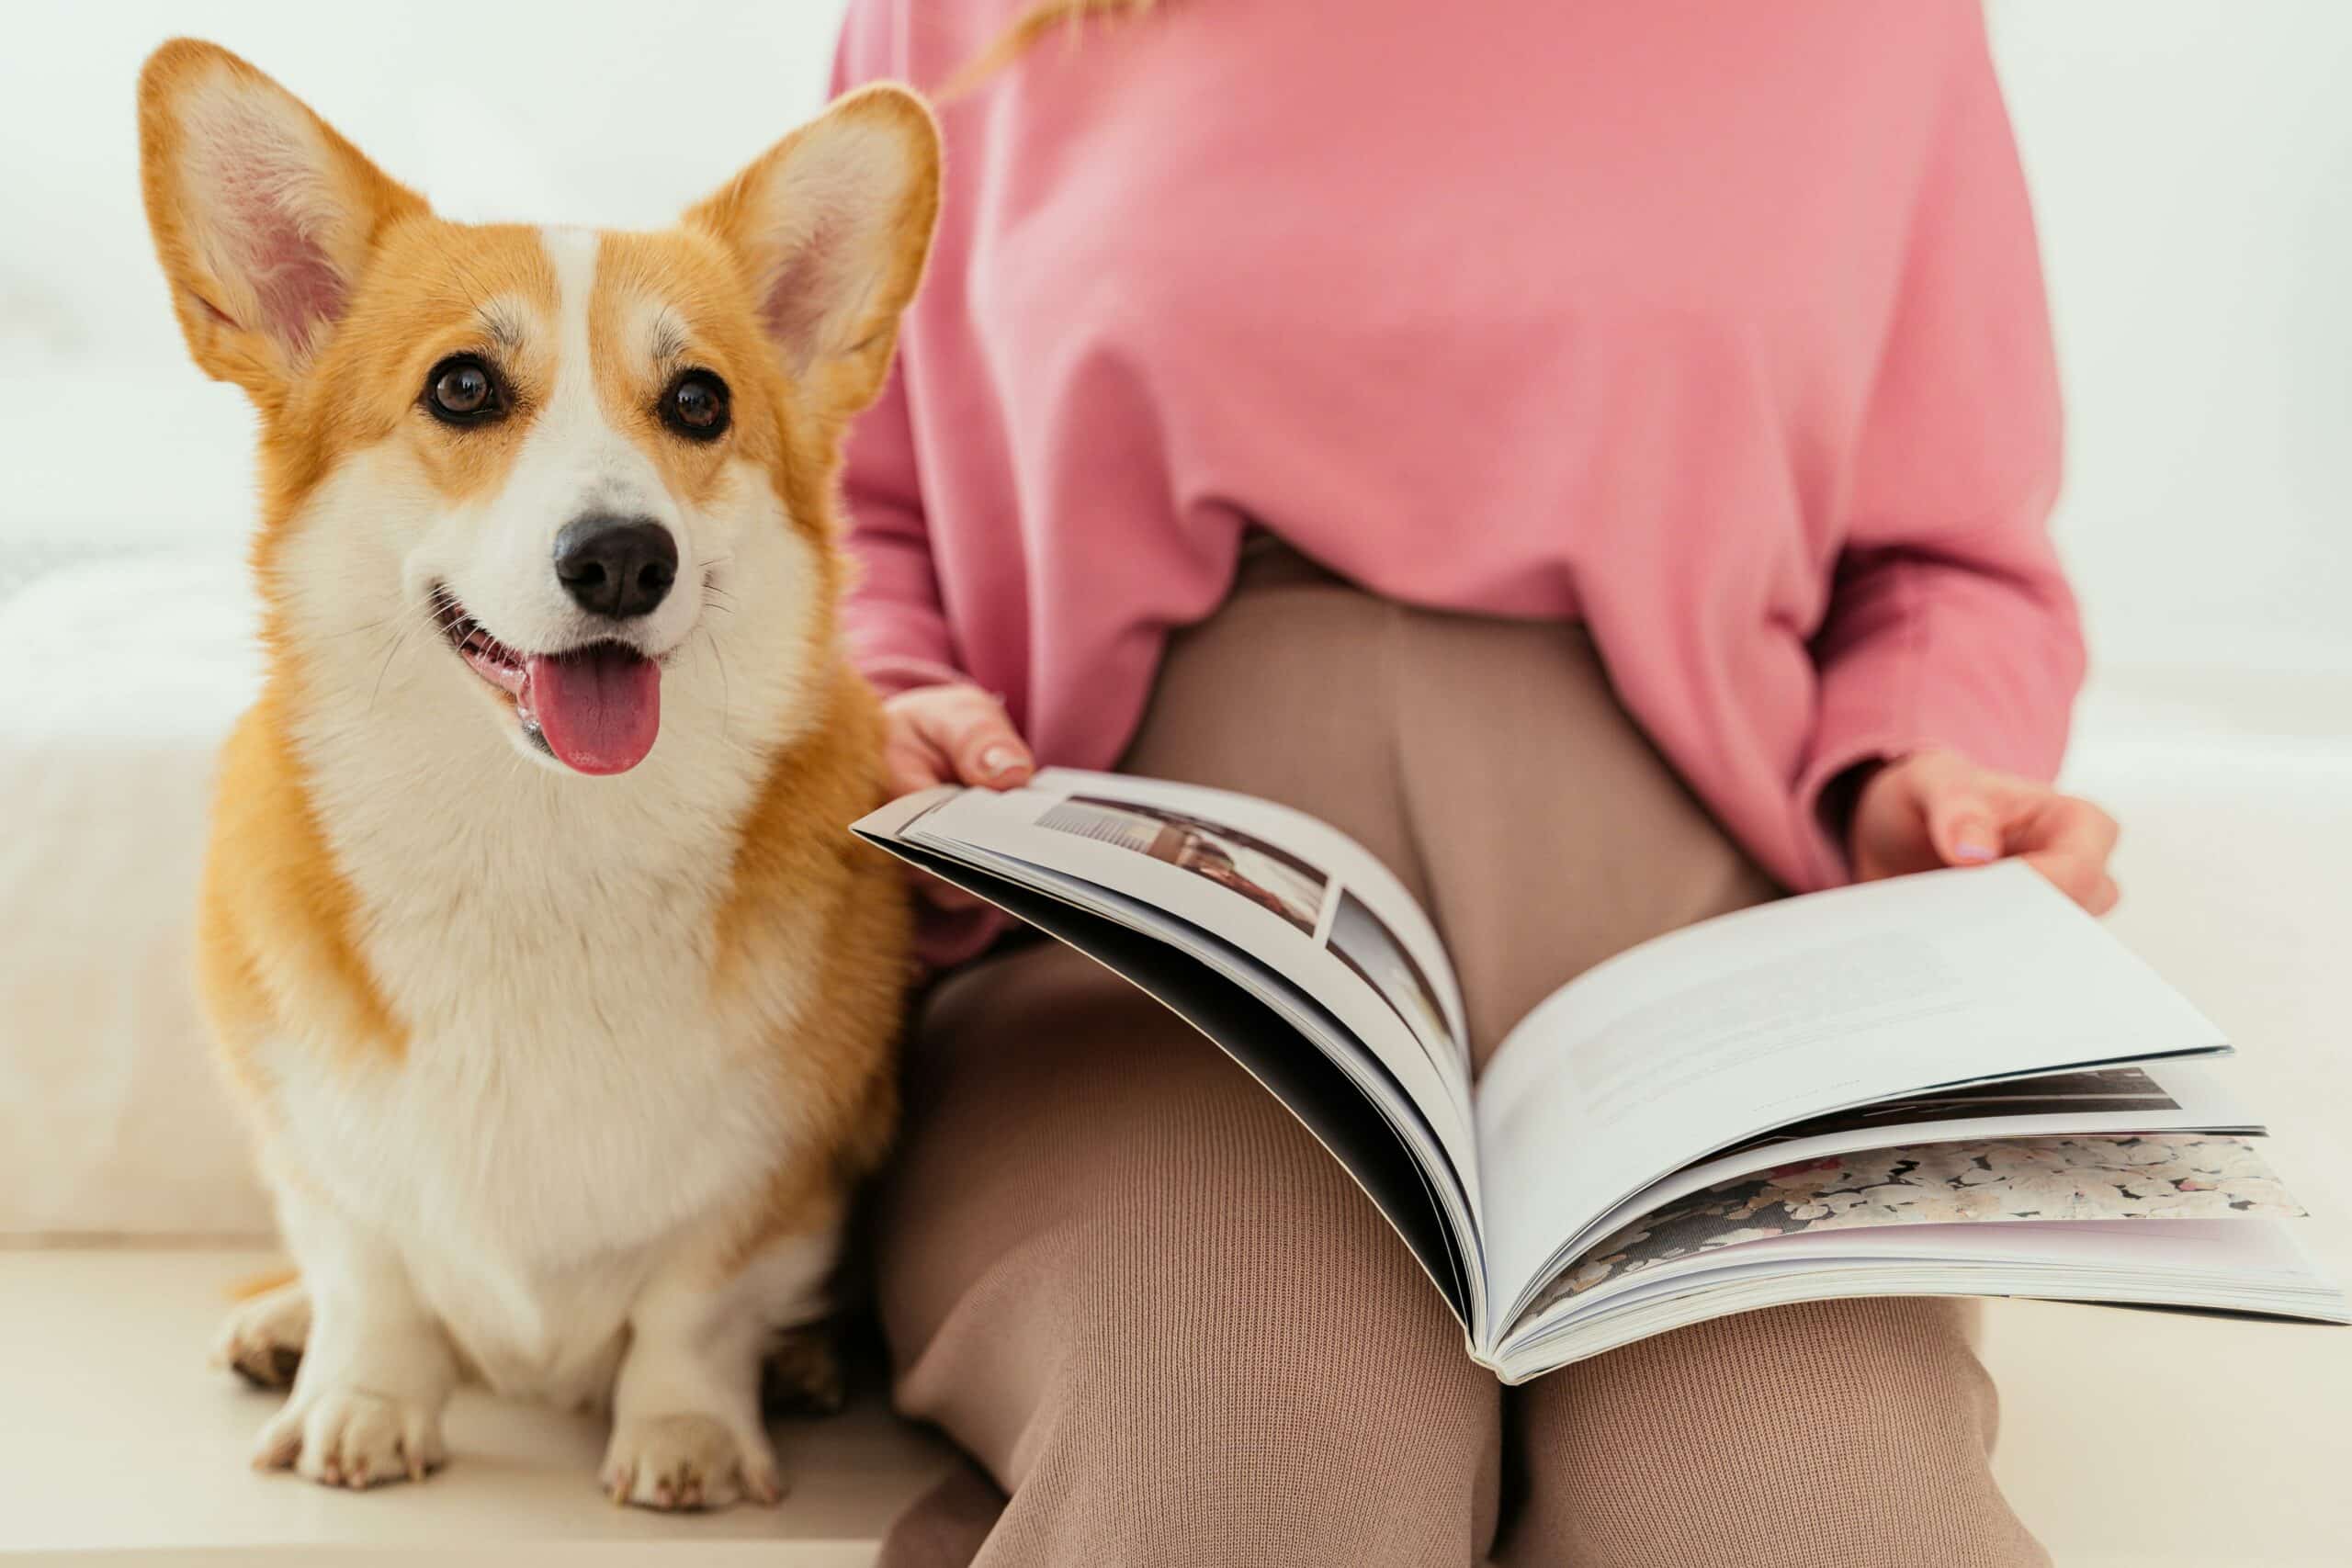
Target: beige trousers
[(1167, 1326)]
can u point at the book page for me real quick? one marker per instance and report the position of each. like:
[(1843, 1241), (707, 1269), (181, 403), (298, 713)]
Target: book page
[(1706, 1037), (1279, 1036), (2127, 1176), (2164, 1096), (2246, 1264), (1295, 894)]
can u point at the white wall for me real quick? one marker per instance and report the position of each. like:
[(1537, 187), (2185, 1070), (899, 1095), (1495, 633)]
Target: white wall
[(619, 117), (2191, 163), (2191, 167), (606, 113)]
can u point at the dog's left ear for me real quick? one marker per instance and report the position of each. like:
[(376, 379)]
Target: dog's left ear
[(831, 226)]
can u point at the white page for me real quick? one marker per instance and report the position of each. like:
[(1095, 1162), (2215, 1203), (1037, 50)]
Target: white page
[(1312, 894), (1709, 1035), (2238, 1265), (2200, 1101), (2077, 1178), (2256, 1262), (1450, 1187)]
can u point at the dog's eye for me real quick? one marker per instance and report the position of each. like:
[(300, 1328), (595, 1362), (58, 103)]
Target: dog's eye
[(461, 390), (695, 406)]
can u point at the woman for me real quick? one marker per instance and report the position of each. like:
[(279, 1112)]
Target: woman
[(1595, 455)]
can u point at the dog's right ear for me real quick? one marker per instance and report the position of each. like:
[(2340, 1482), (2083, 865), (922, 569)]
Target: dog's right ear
[(264, 218)]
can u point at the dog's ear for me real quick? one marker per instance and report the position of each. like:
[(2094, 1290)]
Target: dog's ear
[(264, 218), (830, 226)]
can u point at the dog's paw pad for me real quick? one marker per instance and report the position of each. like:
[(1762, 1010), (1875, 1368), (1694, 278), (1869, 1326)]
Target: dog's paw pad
[(678, 1463), (352, 1438)]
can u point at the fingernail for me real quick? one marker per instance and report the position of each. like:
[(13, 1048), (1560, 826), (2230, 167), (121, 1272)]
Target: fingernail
[(998, 759), (1973, 852)]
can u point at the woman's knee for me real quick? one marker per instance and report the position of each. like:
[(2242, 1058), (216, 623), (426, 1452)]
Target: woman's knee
[(1829, 1433), (1212, 1278), (1264, 1383), (1167, 1322)]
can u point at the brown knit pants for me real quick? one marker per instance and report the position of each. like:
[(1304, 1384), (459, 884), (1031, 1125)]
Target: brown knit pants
[(1167, 1326)]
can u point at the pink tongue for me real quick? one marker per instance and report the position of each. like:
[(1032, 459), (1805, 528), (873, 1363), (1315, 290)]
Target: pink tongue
[(599, 709)]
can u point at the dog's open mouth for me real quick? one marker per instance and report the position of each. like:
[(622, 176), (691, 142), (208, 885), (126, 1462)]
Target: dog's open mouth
[(597, 708)]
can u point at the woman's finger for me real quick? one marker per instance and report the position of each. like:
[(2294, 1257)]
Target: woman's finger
[(2065, 823), (2076, 876), (979, 742), (909, 765), (2069, 841), (1962, 822)]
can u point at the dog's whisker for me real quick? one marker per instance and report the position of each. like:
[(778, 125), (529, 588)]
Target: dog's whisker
[(378, 690), (366, 627), (726, 690)]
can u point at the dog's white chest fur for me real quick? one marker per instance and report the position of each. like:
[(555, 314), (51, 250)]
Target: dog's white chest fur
[(571, 1106), (531, 1167)]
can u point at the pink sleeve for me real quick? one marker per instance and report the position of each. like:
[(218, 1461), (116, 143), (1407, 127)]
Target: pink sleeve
[(897, 633), (1950, 622)]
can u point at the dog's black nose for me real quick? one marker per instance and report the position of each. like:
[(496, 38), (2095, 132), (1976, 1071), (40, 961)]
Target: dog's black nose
[(620, 567)]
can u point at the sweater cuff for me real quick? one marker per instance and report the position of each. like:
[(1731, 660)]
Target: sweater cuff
[(1827, 864)]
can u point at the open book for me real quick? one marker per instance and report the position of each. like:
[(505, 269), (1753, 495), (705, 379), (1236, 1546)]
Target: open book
[(1951, 1084)]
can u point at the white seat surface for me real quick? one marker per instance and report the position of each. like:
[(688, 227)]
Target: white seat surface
[(118, 1444), (2126, 1437)]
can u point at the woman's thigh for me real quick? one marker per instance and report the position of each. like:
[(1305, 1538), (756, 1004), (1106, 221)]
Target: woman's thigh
[(1159, 1315), (1551, 834)]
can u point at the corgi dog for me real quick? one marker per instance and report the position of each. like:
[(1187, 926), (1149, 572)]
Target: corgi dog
[(563, 1006)]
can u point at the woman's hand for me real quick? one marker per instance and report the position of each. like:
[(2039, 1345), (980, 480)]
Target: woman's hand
[(1938, 808), (954, 734)]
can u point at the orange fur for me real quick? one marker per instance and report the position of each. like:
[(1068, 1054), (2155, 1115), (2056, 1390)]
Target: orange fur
[(274, 943), (262, 1284)]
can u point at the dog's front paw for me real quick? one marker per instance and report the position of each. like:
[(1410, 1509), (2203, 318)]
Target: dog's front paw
[(688, 1461), (262, 1341), (348, 1436), (803, 1374)]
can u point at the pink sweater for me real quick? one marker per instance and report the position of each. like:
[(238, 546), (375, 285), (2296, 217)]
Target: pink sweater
[(1717, 327)]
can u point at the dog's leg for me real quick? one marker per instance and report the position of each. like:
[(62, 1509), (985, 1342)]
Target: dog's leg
[(803, 1374), (376, 1371), (687, 1431), (262, 1341)]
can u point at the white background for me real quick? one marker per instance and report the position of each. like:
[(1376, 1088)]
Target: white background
[(2191, 165)]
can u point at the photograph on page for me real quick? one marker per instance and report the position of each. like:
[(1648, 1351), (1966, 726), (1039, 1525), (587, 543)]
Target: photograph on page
[(1349, 933), (2184, 1177), (1269, 876), (2098, 1091)]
